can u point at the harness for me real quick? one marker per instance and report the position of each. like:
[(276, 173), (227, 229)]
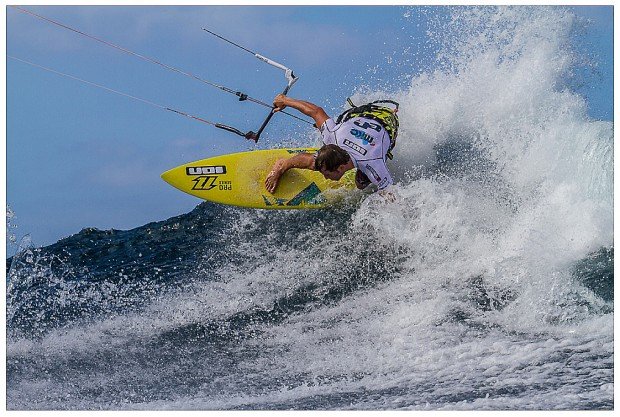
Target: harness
[(386, 116)]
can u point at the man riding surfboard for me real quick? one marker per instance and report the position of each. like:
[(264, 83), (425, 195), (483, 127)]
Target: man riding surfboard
[(363, 140)]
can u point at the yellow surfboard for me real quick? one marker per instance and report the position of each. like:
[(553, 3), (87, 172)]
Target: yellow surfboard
[(239, 179)]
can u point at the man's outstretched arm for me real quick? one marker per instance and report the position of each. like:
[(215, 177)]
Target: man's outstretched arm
[(312, 110), (301, 160)]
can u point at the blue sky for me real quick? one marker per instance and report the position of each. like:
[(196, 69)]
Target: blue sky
[(78, 156)]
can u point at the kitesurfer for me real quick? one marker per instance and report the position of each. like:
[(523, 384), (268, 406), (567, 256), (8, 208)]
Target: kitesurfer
[(360, 138)]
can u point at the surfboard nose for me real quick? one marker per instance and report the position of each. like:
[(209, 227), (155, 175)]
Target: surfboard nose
[(174, 177)]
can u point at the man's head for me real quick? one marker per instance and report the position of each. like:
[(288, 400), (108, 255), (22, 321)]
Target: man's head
[(332, 161)]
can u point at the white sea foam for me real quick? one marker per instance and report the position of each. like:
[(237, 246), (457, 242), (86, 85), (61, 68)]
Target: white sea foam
[(550, 204)]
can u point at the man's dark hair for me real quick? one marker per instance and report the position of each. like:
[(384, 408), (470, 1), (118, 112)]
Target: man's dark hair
[(330, 157)]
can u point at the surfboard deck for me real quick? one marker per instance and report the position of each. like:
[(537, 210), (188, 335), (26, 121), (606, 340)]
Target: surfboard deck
[(239, 179)]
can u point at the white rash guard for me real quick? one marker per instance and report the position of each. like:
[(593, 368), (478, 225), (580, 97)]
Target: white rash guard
[(366, 141)]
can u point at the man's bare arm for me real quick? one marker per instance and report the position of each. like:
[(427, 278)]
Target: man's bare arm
[(312, 110), (301, 160)]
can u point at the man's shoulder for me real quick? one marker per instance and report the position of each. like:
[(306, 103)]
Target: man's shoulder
[(328, 125)]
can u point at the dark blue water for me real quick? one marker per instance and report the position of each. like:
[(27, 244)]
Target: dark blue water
[(182, 314)]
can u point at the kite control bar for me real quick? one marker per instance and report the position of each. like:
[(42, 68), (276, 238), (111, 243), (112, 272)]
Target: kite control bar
[(288, 73)]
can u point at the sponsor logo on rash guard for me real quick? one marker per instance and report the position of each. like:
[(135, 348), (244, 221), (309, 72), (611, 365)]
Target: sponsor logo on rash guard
[(367, 124), (363, 136), (373, 172), (355, 146)]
